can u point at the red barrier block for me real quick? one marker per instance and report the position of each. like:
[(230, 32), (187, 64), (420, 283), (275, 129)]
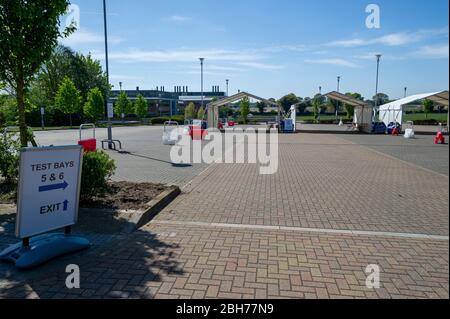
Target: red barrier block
[(89, 145), (197, 133)]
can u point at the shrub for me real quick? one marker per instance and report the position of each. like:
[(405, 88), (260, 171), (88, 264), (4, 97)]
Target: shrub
[(98, 168), (161, 120), (9, 158), (426, 122)]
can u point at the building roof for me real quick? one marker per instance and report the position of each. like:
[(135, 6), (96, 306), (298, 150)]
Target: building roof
[(195, 98)]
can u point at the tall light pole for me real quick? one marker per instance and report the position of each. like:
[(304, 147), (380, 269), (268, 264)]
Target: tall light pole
[(201, 66), (228, 81), (338, 89), (320, 90), (378, 56), (122, 113), (406, 91), (107, 73)]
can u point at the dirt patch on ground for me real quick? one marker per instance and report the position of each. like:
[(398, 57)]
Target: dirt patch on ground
[(119, 195), (97, 214), (124, 196), (8, 193)]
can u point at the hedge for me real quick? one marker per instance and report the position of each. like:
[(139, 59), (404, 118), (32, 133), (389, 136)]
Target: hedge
[(162, 120)]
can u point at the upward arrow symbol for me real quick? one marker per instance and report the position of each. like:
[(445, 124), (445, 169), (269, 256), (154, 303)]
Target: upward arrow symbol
[(65, 205)]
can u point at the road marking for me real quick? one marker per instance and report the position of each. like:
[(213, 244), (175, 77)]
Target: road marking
[(304, 230)]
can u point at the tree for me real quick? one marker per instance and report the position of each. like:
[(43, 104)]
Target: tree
[(29, 31), (123, 105), (201, 113), (225, 112), (94, 106), (350, 109), (189, 112), (381, 99), (428, 107), (317, 102), (141, 107), (85, 72), (245, 109), (304, 103), (261, 107), (68, 99), (288, 100)]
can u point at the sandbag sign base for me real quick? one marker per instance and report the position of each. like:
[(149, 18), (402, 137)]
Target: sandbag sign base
[(48, 200), (42, 249)]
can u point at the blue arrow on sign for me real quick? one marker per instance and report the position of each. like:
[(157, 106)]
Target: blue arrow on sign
[(53, 187), (65, 205)]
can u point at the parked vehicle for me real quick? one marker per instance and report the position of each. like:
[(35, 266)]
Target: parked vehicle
[(378, 128), (393, 125)]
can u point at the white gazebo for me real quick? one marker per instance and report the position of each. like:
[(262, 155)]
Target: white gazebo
[(362, 118), (393, 112)]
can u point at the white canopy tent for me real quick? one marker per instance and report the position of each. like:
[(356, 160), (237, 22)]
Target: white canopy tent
[(362, 118), (393, 111)]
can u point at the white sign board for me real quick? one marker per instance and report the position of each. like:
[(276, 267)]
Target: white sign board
[(49, 189), (110, 110), (42, 111)]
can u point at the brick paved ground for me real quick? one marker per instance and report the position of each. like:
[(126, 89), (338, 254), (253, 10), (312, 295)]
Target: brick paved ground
[(324, 183), (164, 261), (421, 151)]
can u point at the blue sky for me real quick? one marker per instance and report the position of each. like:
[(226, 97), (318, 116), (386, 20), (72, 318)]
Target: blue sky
[(270, 47)]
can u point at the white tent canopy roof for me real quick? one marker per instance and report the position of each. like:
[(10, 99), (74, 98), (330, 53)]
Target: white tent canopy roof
[(350, 100), (438, 97), (393, 111)]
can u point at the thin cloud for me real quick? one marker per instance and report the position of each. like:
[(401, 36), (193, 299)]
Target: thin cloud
[(284, 48), (181, 56), (371, 56), (219, 68), (337, 62), (433, 52), (83, 36), (125, 77), (261, 66), (347, 43), (393, 39), (178, 18)]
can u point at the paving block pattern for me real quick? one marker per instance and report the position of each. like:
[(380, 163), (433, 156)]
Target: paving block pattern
[(323, 182), (163, 261)]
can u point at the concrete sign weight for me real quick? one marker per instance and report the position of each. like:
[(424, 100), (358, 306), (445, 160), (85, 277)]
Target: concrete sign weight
[(48, 200)]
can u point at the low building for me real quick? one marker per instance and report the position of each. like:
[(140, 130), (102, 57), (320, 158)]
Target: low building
[(163, 103)]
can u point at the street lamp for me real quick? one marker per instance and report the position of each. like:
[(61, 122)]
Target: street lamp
[(406, 91), (107, 74), (228, 81), (122, 114), (338, 88), (201, 66), (378, 56), (320, 90)]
